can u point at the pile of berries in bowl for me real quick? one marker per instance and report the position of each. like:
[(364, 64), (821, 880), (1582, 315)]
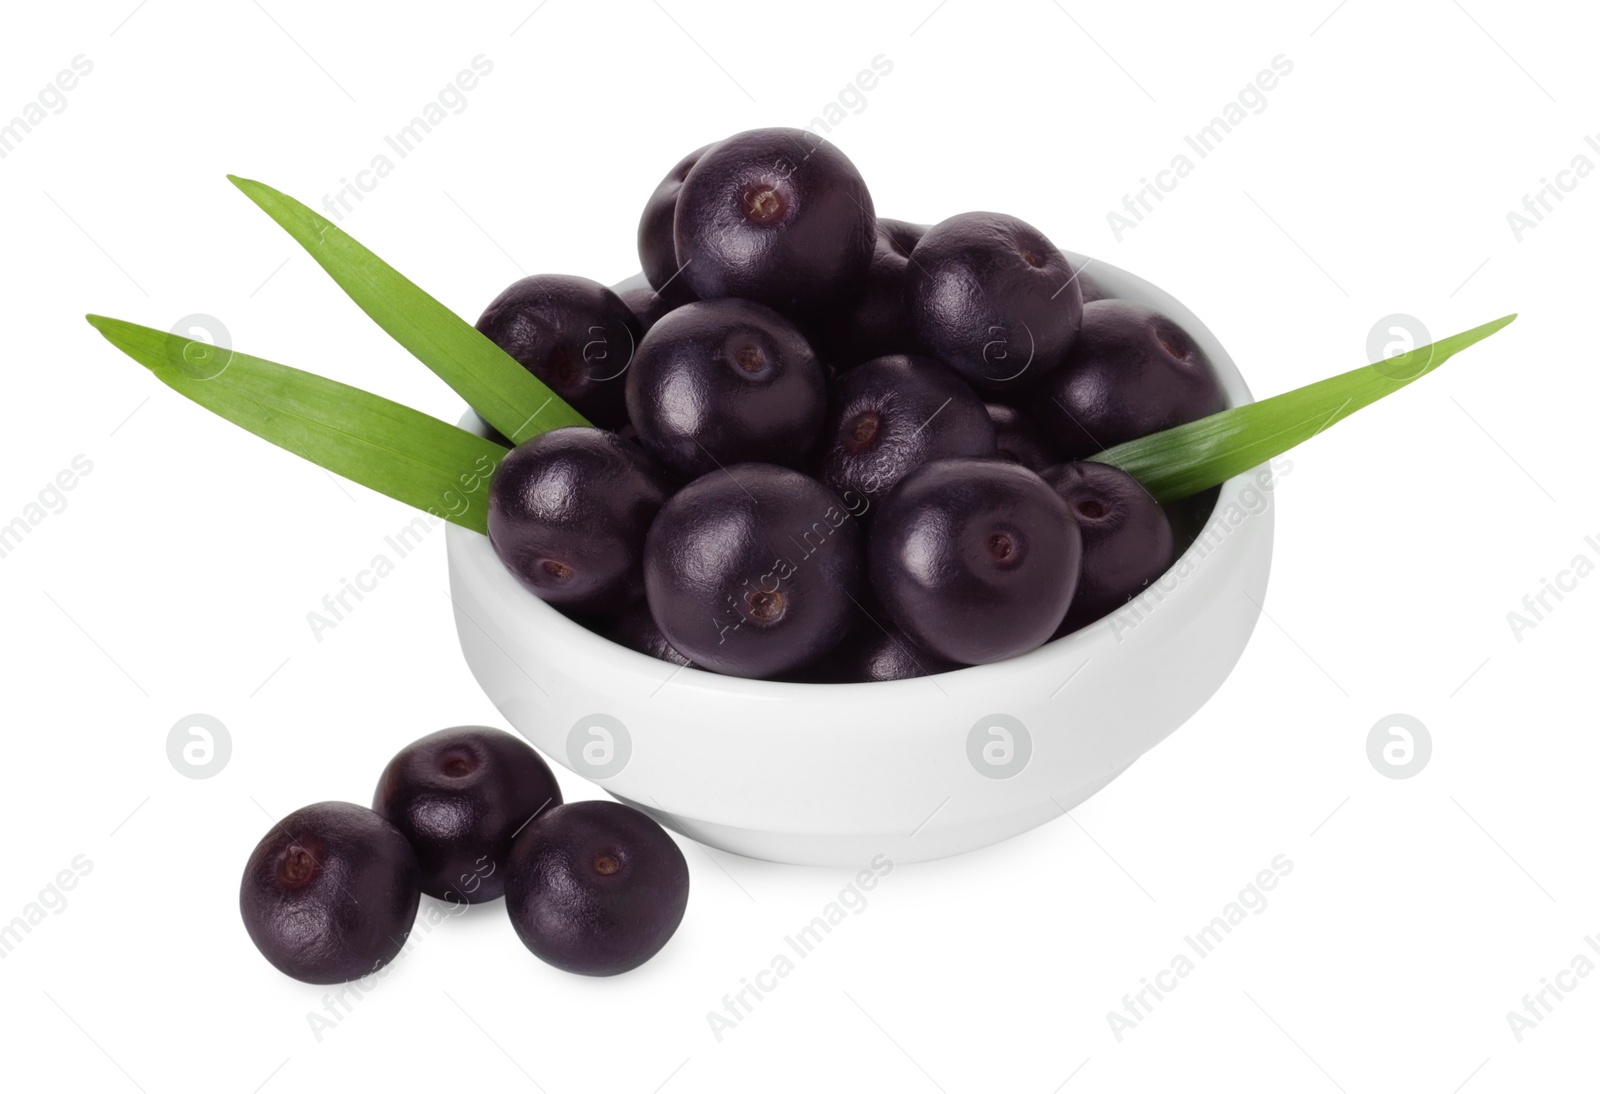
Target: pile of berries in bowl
[(833, 448)]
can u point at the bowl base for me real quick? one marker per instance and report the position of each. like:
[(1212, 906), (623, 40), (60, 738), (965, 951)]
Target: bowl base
[(857, 849)]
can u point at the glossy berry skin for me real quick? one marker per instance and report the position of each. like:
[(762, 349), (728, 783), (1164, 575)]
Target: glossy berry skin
[(658, 255), (754, 571), (596, 888), (574, 334), (459, 796), (872, 653), (1017, 439), (1131, 372), (638, 631), (994, 299), (330, 894), (893, 414), (1127, 537), (975, 560), (647, 307), (875, 321), (778, 216), (568, 513), (719, 382)]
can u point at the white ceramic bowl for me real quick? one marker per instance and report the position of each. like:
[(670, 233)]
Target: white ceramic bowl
[(911, 769)]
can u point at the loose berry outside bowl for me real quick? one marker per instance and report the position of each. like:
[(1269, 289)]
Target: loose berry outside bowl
[(835, 774)]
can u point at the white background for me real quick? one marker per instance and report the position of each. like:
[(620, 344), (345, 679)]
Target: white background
[(178, 577)]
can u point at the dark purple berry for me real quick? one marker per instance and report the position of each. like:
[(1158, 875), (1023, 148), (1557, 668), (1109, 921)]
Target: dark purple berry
[(754, 571), (893, 414), (778, 216), (876, 321), (719, 382), (596, 888), (568, 513), (976, 560), (574, 334), (330, 893), (1131, 372), (657, 252), (873, 652), (994, 299), (1127, 538), (638, 631), (1017, 439), (459, 796), (647, 306)]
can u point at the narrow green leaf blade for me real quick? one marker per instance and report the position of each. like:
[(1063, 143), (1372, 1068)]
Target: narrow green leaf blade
[(432, 465), (1187, 459), (505, 394)]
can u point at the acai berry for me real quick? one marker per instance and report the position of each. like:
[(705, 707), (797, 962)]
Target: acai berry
[(994, 299), (574, 334), (568, 513), (777, 216), (459, 796), (596, 888), (754, 570), (976, 560), (330, 893), (719, 382), (1131, 372), (1127, 538)]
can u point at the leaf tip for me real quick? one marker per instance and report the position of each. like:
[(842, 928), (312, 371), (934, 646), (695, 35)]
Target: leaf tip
[(1498, 325), (250, 188)]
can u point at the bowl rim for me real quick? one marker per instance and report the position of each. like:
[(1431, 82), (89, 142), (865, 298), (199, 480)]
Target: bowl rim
[(1119, 284)]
